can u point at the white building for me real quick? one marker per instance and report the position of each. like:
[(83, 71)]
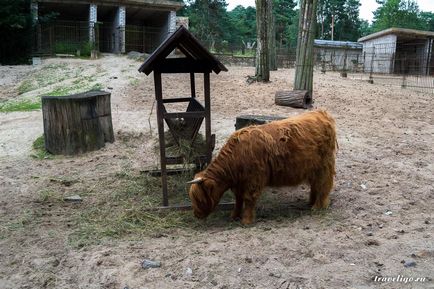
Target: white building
[(399, 51)]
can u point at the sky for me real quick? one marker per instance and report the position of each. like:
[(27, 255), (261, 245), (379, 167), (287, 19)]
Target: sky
[(368, 6)]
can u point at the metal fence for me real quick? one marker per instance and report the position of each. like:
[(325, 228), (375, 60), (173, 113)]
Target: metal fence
[(387, 64), (64, 37), (80, 37), (406, 65)]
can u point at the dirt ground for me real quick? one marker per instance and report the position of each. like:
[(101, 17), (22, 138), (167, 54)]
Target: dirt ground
[(380, 215)]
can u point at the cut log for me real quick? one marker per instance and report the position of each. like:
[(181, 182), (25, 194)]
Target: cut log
[(247, 120), (77, 123), (295, 98)]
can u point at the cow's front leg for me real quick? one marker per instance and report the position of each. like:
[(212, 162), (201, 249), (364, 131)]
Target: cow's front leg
[(249, 211), (238, 209)]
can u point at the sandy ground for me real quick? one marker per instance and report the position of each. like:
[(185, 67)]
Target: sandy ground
[(380, 216)]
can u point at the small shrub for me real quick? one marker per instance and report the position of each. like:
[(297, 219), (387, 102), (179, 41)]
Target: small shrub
[(65, 48), (86, 49)]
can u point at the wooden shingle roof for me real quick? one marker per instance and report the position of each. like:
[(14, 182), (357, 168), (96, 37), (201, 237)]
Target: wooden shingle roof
[(197, 58)]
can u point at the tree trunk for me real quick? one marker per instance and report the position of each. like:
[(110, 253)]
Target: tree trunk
[(248, 120), (272, 37), (306, 34), (77, 123), (295, 98), (262, 49)]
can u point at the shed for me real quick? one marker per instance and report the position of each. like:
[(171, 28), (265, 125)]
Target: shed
[(195, 59), (339, 55), (400, 51)]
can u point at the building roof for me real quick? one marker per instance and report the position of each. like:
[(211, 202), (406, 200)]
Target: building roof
[(337, 44), (153, 4), (197, 58), (413, 33)]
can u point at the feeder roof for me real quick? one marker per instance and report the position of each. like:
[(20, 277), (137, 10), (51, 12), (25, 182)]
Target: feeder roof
[(197, 58)]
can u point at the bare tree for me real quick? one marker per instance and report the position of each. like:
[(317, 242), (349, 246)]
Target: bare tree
[(263, 20), (306, 34)]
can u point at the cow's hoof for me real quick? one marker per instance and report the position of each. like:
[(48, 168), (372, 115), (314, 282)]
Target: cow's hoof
[(324, 204), (247, 221)]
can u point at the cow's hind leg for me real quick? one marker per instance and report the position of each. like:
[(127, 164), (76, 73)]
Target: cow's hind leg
[(238, 209), (249, 210), (320, 186)]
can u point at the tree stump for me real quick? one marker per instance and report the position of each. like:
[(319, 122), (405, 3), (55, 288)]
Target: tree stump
[(246, 120), (77, 123), (295, 98)]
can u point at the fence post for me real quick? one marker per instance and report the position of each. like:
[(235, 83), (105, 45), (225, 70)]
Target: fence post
[(344, 68), (404, 76), (371, 78)]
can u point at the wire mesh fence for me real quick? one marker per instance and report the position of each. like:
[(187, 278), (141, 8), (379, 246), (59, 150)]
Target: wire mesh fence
[(79, 38), (407, 63), (64, 37)]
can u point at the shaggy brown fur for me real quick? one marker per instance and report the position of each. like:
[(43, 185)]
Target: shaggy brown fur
[(282, 153)]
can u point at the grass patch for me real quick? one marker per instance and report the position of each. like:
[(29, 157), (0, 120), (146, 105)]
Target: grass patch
[(78, 87), (19, 223), (48, 196), (26, 86), (134, 82), (24, 105), (39, 149)]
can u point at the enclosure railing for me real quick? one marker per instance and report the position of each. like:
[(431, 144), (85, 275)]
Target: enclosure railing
[(65, 37), (394, 64)]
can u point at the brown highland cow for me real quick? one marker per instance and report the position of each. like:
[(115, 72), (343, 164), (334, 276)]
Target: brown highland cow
[(287, 152)]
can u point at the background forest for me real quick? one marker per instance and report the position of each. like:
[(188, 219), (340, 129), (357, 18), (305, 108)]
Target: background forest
[(221, 29), (235, 31)]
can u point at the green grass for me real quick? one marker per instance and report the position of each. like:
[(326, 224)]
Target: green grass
[(134, 82), (24, 105), (26, 86), (39, 151)]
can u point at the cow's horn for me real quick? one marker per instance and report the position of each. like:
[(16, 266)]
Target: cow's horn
[(196, 181)]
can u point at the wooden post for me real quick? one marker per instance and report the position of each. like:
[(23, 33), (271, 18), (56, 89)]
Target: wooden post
[(272, 37), (160, 120), (344, 68), (193, 85), (207, 93), (306, 34), (404, 78), (371, 78)]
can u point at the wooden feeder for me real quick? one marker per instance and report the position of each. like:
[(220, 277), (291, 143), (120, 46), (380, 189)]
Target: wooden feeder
[(196, 59)]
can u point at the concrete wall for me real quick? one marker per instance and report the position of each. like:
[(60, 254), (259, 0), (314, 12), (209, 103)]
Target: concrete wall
[(379, 54)]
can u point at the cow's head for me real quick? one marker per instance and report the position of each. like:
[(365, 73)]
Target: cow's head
[(203, 196)]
